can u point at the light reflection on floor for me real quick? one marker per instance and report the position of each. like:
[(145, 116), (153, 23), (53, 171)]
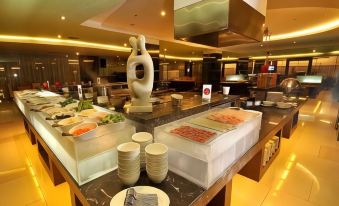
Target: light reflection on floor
[(305, 173)]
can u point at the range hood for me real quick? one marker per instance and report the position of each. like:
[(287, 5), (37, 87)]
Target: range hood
[(219, 23)]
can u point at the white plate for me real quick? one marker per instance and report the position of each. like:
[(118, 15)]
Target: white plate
[(163, 199), (267, 105)]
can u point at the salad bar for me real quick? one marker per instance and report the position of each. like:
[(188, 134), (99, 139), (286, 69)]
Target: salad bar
[(83, 136)]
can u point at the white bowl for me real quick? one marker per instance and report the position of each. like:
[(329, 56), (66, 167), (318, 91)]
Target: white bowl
[(283, 105), (87, 112), (156, 149), (97, 116), (268, 103), (129, 149), (68, 123), (142, 137), (125, 173), (91, 133), (157, 178), (130, 180)]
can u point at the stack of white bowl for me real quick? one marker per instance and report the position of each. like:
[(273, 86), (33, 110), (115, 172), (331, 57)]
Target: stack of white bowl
[(156, 161), (129, 162), (143, 139)]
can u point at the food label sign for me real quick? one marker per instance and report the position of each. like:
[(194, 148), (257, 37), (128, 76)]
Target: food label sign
[(80, 92), (206, 92)]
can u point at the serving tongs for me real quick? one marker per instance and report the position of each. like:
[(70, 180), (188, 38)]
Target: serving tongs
[(137, 199)]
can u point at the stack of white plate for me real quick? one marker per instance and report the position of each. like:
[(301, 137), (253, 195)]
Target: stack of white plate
[(129, 162), (144, 139), (156, 161), (268, 103)]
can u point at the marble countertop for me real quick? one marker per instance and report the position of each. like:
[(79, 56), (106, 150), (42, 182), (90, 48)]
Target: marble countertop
[(101, 190), (165, 112)]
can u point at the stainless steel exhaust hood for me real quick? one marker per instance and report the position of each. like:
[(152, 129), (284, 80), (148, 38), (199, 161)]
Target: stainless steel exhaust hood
[(218, 23)]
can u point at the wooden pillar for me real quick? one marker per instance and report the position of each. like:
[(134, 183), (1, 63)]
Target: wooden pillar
[(287, 67), (309, 67)]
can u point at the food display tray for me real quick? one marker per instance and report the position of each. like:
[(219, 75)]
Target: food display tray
[(204, 163), (84, 158)]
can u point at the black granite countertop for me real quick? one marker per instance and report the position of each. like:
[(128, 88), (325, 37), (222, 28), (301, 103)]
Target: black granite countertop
[(179, 190), (191, 104)]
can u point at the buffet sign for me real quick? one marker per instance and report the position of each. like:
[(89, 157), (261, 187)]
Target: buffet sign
[(206, 92)]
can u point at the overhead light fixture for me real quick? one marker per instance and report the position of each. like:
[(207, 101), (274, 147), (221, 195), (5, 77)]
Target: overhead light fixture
[(2, 69), (288, 55), (181, 58), (294, 42), (228, 59), (125, 45), (15, 68), (63, 18), (88, 60), (165, 49), (61, 42), (261, 45), (15, 75), (163, 13), (314, 50), (313, 30), (77, 53), (59, 36)]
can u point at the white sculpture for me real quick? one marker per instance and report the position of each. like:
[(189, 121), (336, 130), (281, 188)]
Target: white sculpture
[(140, 89)]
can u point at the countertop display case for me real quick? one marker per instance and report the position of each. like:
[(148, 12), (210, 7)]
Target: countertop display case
[(85, 157), (204, 163)]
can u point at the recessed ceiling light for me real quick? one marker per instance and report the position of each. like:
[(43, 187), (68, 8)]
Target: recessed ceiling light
[(163, 13), (314, 50), (77, 53), (294, 42), (63, 18), (125, 45), (59, 36), (165, 49), (261, 45)]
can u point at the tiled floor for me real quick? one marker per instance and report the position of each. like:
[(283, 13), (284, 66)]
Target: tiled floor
[(23, 180), (306, 170), (305, 173)]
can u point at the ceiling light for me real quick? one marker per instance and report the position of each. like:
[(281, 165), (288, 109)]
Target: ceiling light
[(163, 13), (294, 42), (165, 49), (313, 30), (181, 58), (314, 50), (77, 53), (261, 45), (288, 55), (59, 36), (334, 52), (15, 75), (15, 68), (125, 45), (63, 42), (63, 18)]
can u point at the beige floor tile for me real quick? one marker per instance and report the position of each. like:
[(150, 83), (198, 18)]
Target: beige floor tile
[(284, 199), (37, 203), (19, 191), (329, 153), (247, 192), (326, 193)]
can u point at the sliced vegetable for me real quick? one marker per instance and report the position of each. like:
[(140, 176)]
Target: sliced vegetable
[(67, 101), (84, 104), (112, 118)]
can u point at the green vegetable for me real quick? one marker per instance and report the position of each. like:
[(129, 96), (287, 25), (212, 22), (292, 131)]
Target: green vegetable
[(84, 104), (112, 118), (67, 101)]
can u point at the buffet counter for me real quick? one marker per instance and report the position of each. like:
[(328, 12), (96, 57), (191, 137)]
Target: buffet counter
[(85, 158), (231, 150)]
